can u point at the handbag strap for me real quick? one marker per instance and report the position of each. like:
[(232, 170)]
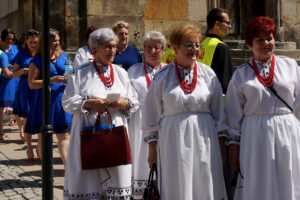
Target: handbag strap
[(271, 88), (151, 174), (97, 123), (283, 101)]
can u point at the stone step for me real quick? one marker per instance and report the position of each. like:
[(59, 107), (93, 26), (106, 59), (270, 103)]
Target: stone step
[(240, 44), (285, 45), (246, 53), (236, 44), (239, 61)]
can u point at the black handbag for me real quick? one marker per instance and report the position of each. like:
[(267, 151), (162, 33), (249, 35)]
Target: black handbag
[(151, 191)]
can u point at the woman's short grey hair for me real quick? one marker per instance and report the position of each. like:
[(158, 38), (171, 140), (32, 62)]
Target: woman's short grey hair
[(101, 35), (157, 36)]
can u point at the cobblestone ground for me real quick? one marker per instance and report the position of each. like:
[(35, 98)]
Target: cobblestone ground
[(15, 184)]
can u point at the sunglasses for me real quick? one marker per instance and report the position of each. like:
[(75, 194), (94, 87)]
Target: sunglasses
[(31, 33), (122, 26), (190, 45)]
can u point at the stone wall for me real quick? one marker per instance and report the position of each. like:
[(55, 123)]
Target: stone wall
[(290, 16), (72, 17), (9, 15), (105, 13), (169, 13), (72, 22)]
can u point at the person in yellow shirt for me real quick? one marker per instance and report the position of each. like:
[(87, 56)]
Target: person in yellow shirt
[(214, 52), (169, 56)]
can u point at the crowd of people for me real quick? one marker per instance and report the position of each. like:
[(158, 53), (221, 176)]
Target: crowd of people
[(21, 84), (191, 116)]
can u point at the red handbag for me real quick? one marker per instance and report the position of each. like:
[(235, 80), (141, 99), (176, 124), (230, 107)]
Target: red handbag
[(104, 148)]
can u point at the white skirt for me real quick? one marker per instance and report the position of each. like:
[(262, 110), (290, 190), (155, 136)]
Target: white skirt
[(269, 158), (139, 152), (190, 164), (107, 183)]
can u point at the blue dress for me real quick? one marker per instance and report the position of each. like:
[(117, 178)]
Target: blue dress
[(21, 103), (60, 119), (8, 86), (129, 57)]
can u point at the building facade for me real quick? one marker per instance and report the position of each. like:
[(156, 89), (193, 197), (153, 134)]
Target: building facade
[(72, 17)]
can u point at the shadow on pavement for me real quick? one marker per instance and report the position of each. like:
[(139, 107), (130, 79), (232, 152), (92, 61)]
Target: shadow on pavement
[(17, 183)]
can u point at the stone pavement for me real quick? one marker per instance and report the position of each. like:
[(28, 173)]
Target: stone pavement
[(20, 179)]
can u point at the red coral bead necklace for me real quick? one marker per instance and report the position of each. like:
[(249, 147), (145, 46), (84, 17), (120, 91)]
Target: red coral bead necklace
[(268, 81), (147, 76), (187, 87), (109, 81)]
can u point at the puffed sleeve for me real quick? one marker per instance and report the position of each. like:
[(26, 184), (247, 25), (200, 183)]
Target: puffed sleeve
[(234, 105), (152, 112), (72, 100), (217, 109)]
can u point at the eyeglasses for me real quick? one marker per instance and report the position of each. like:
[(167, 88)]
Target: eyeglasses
[(122, 26), (227, 22), (150, 48), (190, 45), (110, 47)]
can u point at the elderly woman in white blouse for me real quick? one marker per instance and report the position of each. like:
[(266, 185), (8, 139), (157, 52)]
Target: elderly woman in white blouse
[(85, 98), (141, 75), (183, 116)]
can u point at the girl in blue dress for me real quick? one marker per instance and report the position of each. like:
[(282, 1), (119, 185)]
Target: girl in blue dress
[(8, 85), (22, 99), (60, 119)]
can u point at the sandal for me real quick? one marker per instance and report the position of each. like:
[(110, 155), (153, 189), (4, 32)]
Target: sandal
[(22, 136), (38, 155), (30, 159), (2, 138)]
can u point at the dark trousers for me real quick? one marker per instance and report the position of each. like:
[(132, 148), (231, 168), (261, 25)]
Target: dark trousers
[(228, 176)]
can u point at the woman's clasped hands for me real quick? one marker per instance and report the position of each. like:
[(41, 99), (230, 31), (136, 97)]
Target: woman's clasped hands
[(100, 105)]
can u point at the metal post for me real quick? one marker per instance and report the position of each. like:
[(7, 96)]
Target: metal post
[(46, 130)]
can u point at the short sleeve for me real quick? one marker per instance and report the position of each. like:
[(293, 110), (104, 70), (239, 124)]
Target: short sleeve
[(37, 60), (18, 58), (3, 60)]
